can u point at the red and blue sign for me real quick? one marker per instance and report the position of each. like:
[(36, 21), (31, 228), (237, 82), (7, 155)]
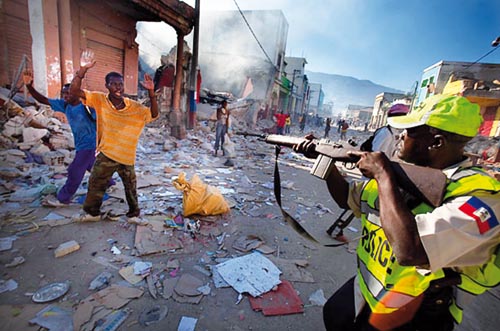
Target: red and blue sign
[(483, 215)]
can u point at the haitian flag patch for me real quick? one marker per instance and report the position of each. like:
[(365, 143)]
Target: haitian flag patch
[(481, 212)]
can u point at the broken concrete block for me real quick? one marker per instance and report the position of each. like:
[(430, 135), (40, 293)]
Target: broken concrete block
[(59, 141), (9, 172), (55, 158), (66, 248), (33, 135), (39, 149), (14, 126)]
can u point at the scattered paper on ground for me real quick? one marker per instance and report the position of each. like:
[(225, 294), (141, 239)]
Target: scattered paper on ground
[(253, 273)]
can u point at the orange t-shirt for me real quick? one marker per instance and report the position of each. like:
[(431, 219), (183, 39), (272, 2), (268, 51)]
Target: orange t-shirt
[(118, 131)]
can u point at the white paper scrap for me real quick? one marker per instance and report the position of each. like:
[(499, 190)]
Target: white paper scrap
[(253, 273), (187, 323)]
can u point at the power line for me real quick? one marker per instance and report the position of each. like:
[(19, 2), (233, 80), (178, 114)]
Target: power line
[(482, 57), (256, 39), (142, 35)]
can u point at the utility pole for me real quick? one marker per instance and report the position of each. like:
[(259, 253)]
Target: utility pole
[(194, 69), (414, 95), (291, 93)]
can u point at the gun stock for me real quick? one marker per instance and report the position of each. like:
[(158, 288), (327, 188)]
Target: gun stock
[(425, 183)]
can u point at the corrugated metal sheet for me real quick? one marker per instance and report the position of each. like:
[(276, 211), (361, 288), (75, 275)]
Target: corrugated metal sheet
[(108, 58), (18, 33)]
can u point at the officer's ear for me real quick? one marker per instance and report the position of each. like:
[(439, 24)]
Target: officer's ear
[(438, 142)]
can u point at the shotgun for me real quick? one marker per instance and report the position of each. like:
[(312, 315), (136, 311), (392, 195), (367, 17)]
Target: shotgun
[(427, 184)]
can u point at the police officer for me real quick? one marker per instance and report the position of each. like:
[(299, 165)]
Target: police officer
[(418, 265)]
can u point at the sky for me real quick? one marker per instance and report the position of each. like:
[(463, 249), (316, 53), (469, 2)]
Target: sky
[(389, 42)]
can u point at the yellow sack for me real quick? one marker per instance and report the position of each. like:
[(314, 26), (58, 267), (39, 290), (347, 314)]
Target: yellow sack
[(200, 198)]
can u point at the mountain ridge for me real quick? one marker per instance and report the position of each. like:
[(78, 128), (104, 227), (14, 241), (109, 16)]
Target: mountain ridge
[(346, 90)]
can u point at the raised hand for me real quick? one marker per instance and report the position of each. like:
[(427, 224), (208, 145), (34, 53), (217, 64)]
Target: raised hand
[(27, 77), (87, 59), (148, 83)]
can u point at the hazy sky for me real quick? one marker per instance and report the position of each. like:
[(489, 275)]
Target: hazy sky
[(389, 42)]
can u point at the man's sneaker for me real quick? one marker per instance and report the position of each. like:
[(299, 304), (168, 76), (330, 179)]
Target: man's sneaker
[(137, 220), (84, 217), (110, 216), (51, 201), (135, 213)]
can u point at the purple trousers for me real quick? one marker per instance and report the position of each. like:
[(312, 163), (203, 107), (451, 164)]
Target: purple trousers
[(84, 160)]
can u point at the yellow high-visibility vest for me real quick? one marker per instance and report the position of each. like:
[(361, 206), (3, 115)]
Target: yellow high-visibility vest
[(385, 284)]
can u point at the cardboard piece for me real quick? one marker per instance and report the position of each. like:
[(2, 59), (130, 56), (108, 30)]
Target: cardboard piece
[(186, 290), (150, 241), (168, 287), (283, 301), (293, 270), (247, 243), (128, 274), (112, 297)]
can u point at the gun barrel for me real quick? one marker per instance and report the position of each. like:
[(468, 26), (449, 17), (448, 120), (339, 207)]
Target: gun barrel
[(286, 141)]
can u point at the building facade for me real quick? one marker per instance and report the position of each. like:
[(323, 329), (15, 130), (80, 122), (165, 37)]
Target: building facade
[(294, 69), (383, 102), (315, 100), (478, 82)]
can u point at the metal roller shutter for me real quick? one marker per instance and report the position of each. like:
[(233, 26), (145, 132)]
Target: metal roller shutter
[(17, 32), (108, 58)]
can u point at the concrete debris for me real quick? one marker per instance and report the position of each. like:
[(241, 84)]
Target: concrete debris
[(66, 248), (7, 285), (6, 243), (317, 298)]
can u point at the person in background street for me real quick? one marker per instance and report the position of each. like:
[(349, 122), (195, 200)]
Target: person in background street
[(221, 127), (280, 122), (418, 265), (120, 122), (82, 121), (327, 127), (339, 125), (302, 123), (343, 130), (288, 124), (164, 75), (386, 139)]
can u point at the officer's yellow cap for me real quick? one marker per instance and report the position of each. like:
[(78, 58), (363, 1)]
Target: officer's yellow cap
[(445, 112)]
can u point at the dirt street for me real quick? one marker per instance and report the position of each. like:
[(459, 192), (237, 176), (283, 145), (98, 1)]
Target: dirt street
[(248, 188)]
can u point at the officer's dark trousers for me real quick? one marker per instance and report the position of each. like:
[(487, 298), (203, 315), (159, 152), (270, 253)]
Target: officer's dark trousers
[(339, 314)]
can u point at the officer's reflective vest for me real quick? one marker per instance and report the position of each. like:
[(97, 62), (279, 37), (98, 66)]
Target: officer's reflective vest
[(388, 286)]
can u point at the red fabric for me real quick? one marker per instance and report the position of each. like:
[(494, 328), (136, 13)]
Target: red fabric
[(167, 77), (283, 301), (280, 119), (198, 86)]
